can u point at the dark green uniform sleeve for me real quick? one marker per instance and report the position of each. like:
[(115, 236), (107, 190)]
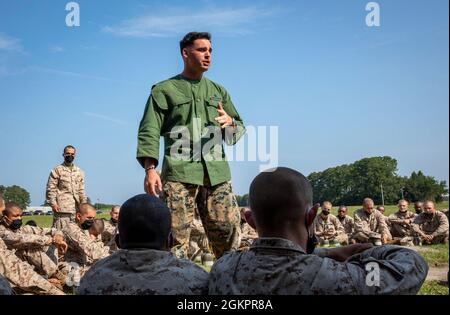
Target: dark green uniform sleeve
[(150, 127), (232, 137)]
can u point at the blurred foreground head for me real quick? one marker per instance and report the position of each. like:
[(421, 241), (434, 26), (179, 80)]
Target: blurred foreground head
[(144, 222), (279, 199)]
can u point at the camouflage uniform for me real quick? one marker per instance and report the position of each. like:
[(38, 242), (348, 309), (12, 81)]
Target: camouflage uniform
[(279, 266), (436, 225), (109, 234), (198, 241), (217, 206), (5, 288), (369, 226), (248, 235), (401, 231), (144, 272), (22, 276), (329, 229), (348, 223), (83, 250), (65, 187), (34, 245)]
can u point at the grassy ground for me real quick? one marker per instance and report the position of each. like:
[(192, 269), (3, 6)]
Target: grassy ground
[(434, 288), (47, 220)]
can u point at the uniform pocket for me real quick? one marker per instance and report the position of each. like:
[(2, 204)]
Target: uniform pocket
[(180, 111), (211, 110)]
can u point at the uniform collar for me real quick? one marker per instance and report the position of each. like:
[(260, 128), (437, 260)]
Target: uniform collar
[(276, 243)]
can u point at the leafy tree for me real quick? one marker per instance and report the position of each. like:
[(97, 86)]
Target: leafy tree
[(421, 187), (16, 194), (242, 200), (350, 184)]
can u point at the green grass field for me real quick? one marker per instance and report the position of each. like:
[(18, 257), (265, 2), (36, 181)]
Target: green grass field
[(435, 255)]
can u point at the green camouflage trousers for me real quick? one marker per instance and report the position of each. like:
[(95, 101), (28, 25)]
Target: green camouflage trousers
[(218, 210)]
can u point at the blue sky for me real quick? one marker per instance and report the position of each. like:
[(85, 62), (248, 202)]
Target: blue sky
[(337, 90)]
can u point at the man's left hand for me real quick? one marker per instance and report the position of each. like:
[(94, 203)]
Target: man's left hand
[(224, 119)]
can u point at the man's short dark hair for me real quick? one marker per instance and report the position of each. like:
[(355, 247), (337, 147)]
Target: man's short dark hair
[(69, 147), (84, 207), (9, 207), (278, 196), (190, 37), (144, 222)]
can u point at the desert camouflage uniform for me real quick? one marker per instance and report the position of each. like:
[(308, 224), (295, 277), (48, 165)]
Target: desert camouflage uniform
[(5, 288), (34, 245), (83, 250), (65, 187), (144, 272), (329, 229), (436, 225), (348, 223), (401, 231), (248, 235), (369, 226), (217, 206), (109, 234), (279, 266), (21, 275)]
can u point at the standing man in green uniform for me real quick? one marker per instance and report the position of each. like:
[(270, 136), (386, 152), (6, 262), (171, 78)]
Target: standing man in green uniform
[(195, 116)]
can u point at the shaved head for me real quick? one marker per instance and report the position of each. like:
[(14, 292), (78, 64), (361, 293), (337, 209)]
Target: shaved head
[(279, 196), (85, 208)]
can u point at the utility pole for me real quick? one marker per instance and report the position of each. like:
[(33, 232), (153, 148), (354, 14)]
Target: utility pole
[(382, 195), (401, 189)]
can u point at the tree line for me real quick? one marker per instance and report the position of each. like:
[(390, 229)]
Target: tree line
[(374, 177)]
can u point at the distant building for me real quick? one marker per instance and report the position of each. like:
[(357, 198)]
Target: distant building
[(43, 209)]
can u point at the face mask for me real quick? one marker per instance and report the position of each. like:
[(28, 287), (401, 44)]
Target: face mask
[(69, 159), (86, 225), (114, 221), (325, 212), (15, 224)]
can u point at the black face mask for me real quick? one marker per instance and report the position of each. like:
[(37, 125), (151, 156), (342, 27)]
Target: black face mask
[(325, 212), (69, 159), (114, 221), (86, 225), (15, 224)]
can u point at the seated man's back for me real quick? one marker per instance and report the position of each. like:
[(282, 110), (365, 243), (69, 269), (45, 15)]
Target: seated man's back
[(144, 265), (281, 261), (281, 267)]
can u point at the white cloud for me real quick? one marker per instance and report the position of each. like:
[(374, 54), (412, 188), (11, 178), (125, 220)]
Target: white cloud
[(104, 117), (238, 21), (10, 43), (56, 49)]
